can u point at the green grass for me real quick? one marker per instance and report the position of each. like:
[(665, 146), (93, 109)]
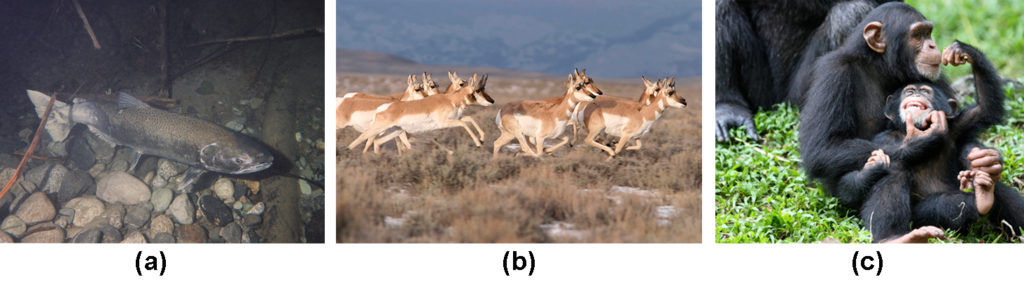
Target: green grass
[(994, 27), (762, 195)]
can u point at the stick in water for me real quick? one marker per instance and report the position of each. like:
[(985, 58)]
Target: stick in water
[(88, 27), (31, 147)]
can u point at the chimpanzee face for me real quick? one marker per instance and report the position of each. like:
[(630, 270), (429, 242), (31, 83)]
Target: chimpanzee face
[(927, 56), (916, 102)]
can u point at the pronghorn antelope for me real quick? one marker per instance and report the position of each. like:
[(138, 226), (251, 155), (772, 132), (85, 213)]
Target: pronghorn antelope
[(646, 97), (358, 109), (435, 112), (628, 120), (543, 119), (456, 82), (430, 87), (413, 91)]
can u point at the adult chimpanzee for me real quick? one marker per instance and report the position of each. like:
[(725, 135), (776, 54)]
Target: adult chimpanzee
[(760, 45), (844, 103)]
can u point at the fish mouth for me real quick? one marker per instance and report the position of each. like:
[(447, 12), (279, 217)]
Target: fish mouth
[(253, 168)]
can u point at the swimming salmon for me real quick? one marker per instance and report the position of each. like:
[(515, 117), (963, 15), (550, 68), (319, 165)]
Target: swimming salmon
[(203, 145)]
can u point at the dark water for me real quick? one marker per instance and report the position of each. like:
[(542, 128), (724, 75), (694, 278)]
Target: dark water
[(270, 90)]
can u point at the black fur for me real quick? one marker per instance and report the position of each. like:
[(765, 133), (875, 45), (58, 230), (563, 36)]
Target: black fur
[(761, 44), (846, 90)]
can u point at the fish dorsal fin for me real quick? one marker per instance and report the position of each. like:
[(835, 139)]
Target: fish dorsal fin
[(125, 101)]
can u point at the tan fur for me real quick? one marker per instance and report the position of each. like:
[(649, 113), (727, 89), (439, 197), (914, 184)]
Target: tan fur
[(413, 91), (542, 119), (431, 89), (646, 97), (357, 109), (435, 112), (626, 119)]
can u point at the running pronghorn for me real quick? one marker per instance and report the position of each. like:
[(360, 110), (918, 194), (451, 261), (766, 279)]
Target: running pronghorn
[(626, 119), (456, 82), (358, 109), (413, 91), (543, 119), (435, 112), (430, 87), (646, 97)]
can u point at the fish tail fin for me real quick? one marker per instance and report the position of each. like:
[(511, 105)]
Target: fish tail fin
[(58, 125)]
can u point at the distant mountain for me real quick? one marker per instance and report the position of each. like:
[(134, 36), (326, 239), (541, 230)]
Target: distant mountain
[(610, 38), (366, 62)]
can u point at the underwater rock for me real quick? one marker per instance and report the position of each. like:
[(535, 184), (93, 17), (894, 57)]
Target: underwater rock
[(5, 238), (215, 210), (134, 237), (160, 224), (161, 199), (80, 153), (181, 209), (122, 187), (163, 238), (102, 233), (224, 189), (137, 215), (59, 181), (114, 214), (166, 169), (86, 208), (36, 208), (192, 233), (251, 220), (13, 225), (52, 235), (257, 209), (231, 233)]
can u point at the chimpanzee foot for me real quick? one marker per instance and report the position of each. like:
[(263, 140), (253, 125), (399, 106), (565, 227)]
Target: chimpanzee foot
[(919, 235)]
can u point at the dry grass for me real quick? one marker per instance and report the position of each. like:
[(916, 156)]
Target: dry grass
[(650, 195)]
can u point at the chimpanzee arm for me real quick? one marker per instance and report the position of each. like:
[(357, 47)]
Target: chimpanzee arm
[(829, 142), (989, 110), (860, 181), (912, 152)]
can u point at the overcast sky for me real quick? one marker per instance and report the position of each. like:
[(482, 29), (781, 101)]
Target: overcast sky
[(534, 35)]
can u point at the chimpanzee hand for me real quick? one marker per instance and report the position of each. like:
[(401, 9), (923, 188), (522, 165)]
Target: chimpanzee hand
[(986, 160), (954, 54), (936, 123), (984, 194), (728, 117), (879, 158)]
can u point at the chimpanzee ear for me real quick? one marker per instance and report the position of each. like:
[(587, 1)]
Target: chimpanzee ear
[(875, 37), (889, 115), (954, 106)]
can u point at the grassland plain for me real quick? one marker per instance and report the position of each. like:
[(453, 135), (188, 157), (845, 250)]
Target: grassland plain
[(428, 195), (762, 195)]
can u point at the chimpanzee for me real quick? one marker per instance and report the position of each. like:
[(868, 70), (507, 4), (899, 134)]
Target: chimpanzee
[(844, 104), (761, 44)]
